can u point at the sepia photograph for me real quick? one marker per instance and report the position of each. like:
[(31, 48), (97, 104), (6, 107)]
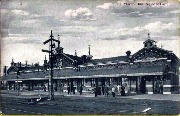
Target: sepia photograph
[(89, 57)]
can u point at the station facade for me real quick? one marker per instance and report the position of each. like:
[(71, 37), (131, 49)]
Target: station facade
[(151, 70)]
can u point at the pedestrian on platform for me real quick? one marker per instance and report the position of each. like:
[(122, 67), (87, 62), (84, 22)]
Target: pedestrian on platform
[(73, 89), (68, 88), (161, 88), (44, 87), (80, 90), (95, 91), (113, 91), (106, 91), (122, 90)]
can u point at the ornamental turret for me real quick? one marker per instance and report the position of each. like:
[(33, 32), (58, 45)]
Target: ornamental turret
[(149, 43)]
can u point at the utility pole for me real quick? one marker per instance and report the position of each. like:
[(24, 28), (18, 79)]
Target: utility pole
[(51, 54)]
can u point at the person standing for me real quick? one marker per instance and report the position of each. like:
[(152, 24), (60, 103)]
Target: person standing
[(106, 91), (161, 88), (118, 89), (44, 87), (80, 90), (95, 91), (68, 88), (122, 90), (73, 89), (113, 91)]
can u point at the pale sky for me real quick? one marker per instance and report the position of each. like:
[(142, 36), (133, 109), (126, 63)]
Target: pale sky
[(110, 27)]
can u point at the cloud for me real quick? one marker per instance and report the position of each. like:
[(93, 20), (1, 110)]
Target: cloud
[(159, 30), (125, 31), (31, 23), (155, 27), (81, 13), (6, 18), (106, 6), (19, 38), (17, 4), (20, 12), (175, 11), (111, 6), (14, 12), (121, 9), (11, 18), (23, 21), (158, 27)]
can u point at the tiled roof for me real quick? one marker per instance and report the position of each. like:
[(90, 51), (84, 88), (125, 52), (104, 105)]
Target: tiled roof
[(28, 76), (91, 71), (73, 58), (111, 59), (24, 69), (108, 71)]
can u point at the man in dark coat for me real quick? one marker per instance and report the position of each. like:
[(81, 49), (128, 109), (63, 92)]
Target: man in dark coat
[(122, 90)]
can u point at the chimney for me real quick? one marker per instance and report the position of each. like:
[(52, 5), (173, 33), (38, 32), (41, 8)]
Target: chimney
[(89, 50), (45, 63), (12, 63), (26, 63), (18, 64), (75, 53)]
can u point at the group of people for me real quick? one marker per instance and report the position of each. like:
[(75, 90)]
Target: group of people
[(113, 91), (71, 89), (97, 90)]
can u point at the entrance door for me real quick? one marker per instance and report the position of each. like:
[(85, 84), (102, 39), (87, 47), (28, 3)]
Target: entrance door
[(143, 85)]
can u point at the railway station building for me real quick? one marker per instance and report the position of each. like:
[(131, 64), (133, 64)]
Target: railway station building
[(151, 70)]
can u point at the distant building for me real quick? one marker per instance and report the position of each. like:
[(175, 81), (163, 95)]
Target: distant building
[(150, 70)]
